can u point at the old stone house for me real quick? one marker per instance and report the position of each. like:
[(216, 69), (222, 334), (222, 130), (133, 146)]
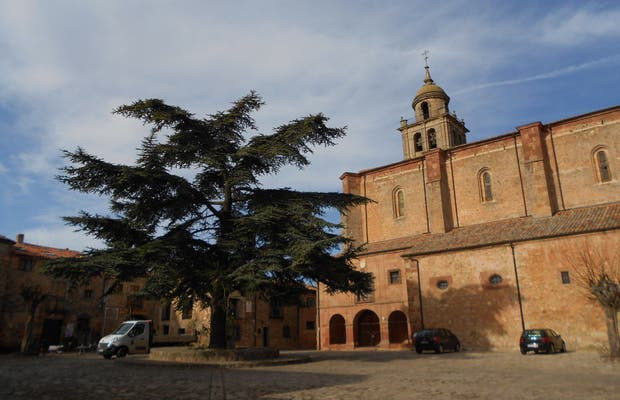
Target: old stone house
[(80, 316), (254, 322), (476, 237)]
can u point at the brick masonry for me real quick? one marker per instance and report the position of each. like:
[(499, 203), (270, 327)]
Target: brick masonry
[(548, 203)]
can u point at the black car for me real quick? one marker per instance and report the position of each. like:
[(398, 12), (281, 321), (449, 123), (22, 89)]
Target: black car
[(437, 340), (541, 340)]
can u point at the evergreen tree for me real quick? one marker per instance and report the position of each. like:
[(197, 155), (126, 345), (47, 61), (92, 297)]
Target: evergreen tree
[(192, 218)]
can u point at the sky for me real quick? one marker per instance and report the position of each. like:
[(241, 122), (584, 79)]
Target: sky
[(65, 65)]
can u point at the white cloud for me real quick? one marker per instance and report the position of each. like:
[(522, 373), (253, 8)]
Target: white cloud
[(568, 26), (546, 75), (3, 169), (68, 64)]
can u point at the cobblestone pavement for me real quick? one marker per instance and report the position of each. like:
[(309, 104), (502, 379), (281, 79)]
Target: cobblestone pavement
[(332, 375)]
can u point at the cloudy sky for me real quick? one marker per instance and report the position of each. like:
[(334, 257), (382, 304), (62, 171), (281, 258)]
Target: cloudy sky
[(64, 65)]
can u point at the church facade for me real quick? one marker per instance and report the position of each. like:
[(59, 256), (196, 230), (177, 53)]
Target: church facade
[(480, 238)]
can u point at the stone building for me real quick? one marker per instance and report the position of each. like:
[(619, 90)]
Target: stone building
[(80, 316), (254, 322), (69, 316), (478, 237)]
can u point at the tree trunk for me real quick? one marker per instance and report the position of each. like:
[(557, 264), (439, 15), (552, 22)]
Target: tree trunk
[(613, 334), (217, 335), (27, 338)]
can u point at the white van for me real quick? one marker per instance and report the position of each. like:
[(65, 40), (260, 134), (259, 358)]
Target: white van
[(130, 338)]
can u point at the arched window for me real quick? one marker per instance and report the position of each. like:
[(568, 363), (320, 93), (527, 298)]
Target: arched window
[(486, 191), (432, 139), (602, 164), (425, 111), (398, 201), (417, 141)]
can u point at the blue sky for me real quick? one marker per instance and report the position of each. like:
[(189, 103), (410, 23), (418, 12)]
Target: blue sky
[(65, 65)]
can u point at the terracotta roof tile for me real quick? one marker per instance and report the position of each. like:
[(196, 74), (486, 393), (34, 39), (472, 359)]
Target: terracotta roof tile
[(5, 239), (34, 250), (569, 222)]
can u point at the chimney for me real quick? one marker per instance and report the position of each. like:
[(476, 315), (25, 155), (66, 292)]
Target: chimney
[(20, 238)]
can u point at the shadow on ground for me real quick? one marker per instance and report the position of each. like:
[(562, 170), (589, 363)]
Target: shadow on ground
[(73, 377)]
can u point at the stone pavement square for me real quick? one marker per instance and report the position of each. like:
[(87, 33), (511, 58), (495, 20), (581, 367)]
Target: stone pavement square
[(331, 375)]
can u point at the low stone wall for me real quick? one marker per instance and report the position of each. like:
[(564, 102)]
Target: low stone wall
[(198, 355)]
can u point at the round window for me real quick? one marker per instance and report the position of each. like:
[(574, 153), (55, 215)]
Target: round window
[(495, 279), (443, 284)]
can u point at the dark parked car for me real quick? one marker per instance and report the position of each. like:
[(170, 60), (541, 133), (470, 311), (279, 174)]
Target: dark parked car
[(437, 340), (541, 340)]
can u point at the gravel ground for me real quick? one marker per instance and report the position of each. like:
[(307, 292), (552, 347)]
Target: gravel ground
[(332, 375)]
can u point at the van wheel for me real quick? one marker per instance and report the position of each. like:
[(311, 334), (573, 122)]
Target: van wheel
[(122, 352)]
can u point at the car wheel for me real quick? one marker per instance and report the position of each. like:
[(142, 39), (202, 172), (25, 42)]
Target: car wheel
[(551, 349), (563, 350), (523, 351), (439, 349), (122, 352), (457, 348), (418, 350)]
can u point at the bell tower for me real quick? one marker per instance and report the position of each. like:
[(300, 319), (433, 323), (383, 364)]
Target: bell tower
[(433, 126)]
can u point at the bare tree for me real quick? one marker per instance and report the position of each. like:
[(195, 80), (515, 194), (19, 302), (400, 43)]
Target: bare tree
[(599, 273), (33, 297)]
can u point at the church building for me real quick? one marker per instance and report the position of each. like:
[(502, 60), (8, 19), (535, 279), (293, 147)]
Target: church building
[(480, 238)]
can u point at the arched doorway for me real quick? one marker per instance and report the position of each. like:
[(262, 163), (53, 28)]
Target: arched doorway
[(368, 332), (337, 330), (397, 327)]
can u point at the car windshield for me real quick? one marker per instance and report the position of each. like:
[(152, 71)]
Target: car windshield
[(426, 332), (123, 329)]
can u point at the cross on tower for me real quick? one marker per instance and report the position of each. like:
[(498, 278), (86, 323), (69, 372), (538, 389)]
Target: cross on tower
[(425, 53)]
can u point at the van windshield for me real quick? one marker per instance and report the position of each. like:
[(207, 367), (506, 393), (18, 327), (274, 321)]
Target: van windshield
[(123, 329)]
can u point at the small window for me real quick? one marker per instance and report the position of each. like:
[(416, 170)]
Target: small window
[(233, 308), (432, 139), (425, 110), (26, 264), (275, 309), (495, 279), (186, 312), (311, 303), (286, 332), (603, 166), (486, 189), (417, 142), (399, 203), (394, 276), (165, 311), (181, 331), (310, 326), (442, 284), (236, 332), (565, 277), (166, 329), (88, 293)]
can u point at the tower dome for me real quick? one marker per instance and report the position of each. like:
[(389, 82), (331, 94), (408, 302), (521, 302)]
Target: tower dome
[(430, 90)]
